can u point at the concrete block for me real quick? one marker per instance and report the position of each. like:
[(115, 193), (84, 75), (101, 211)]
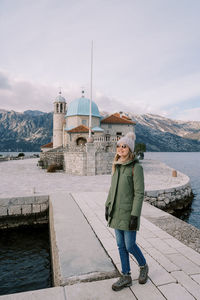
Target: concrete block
[(56, 293), (162, 260), (35, 208), (146, 291), (184, 263), (26, 209), (14, 210), (196, 277), (143, 242), (175, 291), (157, 273), (189, 284), (160, 245), (97, 290), (190, 254)]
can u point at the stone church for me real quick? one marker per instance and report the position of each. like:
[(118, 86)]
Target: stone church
[(71, 147)]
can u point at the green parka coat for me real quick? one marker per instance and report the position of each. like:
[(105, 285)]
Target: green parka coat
[(126, 194)]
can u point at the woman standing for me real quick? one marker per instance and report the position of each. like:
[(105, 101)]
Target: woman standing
[(123, 208)]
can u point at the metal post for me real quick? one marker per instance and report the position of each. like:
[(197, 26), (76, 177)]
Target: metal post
[(90, 117)]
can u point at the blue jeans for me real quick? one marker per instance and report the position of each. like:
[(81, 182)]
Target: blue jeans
[(126, 242)]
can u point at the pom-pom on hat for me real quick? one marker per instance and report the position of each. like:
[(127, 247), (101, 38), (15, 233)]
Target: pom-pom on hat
[(129, 140)]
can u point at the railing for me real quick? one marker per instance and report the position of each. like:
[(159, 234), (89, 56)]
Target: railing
[(106, 139)]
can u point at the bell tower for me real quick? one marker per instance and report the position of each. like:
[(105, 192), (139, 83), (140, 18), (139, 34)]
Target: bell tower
[(58, 120)]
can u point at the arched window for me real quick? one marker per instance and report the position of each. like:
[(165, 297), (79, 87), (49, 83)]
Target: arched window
[(81, 141), (57, 108)]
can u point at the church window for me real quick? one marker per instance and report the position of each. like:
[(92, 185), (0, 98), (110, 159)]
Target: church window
[(57, 108), (81, 141), (61, 107)]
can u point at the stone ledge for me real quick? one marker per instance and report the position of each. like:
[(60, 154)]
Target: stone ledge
[(182, 231), (21, 211), (77, 253)]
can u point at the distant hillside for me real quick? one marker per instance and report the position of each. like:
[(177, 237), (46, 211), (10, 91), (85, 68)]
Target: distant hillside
[(25, 131), (29, 130), (163, 134)]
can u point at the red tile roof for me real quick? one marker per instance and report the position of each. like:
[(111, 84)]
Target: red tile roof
[(116, 119), (49, 145), (80, 128)]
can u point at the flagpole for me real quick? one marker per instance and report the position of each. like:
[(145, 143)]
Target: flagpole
[(90, 116)]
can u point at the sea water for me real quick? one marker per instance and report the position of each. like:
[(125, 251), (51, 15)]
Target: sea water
[(189, 164), (24, 259)]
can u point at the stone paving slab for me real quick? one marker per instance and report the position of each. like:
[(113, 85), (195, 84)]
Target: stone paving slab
[(168, 278), (99, 290), (196, 278), (56, 293), (174, 291), (147, 291), (192, 287), (184, 263)]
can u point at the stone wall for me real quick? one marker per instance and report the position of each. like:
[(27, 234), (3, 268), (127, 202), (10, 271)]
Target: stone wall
[(91, 159), (18, 211), (104, 162), (112, 129), (75, 163), (52, 157), (170, 200)]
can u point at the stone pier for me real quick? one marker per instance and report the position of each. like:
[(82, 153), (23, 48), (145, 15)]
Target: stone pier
[(84, 251)]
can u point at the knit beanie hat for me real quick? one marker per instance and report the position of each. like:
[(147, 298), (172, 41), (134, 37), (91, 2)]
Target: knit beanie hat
[(129, 140)]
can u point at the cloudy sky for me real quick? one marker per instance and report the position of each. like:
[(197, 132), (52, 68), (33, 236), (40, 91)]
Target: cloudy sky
[(146, 54)]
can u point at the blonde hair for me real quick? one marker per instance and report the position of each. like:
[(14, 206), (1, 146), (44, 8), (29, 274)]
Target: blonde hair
[(116, 158)]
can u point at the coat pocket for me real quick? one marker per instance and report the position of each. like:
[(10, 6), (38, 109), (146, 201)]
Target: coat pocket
[(125, 211)]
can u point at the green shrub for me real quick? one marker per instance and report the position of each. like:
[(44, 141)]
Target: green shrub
[(53, 168)]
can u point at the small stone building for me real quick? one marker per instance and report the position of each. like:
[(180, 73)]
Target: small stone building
[(71, 148)]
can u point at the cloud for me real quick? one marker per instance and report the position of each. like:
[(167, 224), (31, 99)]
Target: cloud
[(146, 53), (189, 114), (21, 95), (4, 82)]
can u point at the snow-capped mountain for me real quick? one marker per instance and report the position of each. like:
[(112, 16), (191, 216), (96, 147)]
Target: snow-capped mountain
[(164, 134), (29, 130), (24, 131)]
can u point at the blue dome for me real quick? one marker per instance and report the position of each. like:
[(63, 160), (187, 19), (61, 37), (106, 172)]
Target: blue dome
[(81, 107)]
